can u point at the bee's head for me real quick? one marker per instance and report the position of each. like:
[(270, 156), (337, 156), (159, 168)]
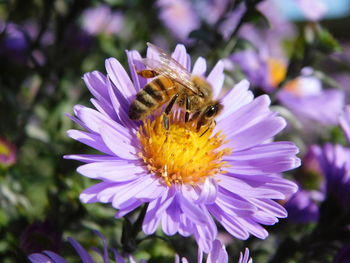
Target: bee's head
[(209, 113)]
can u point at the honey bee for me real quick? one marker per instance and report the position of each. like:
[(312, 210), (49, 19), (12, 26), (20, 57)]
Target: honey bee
[(173, 84)]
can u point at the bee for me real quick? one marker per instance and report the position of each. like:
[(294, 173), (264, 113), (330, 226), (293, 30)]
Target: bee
[(174, 85)]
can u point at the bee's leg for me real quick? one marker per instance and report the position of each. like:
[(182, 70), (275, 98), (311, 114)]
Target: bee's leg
[(188, 107), (146, 73), (168, 110), (213, 122)]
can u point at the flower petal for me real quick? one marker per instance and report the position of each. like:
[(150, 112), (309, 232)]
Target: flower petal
[(199, 67), (216, 78), (236, 98), (120, 78), (114, 171)]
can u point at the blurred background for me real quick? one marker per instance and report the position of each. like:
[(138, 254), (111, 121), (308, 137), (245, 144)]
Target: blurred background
[(290, 49)]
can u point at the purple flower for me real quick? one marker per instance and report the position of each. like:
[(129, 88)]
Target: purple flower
[(230, 173), (335, 164), (231, 21), (179, 17), (302, 207), (102, 19), (305, 97), (7, 153), (51, 257), (312, 9)]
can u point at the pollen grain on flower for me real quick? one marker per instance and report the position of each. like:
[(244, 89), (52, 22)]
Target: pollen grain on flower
[(181, 155)]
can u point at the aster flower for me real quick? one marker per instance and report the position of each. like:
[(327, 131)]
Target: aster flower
[(230, 173), (306, 98), (335, 164), (47, 256), (102, 19), (303, 95), (179, 17), (7, 153), (302, 207)]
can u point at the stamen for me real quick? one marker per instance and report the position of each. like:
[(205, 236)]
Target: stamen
[(181, 155)]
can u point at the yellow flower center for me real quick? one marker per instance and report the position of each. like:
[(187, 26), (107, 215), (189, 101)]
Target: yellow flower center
[(181, 155), (277, 71), (4, 149)]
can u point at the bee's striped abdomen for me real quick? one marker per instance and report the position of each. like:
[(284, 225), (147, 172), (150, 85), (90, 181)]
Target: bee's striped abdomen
[(151, 97)]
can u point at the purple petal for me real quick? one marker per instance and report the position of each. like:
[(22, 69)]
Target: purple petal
[(135, 63), (105, 109), (218, 253), (89, 195), (42, 258), (236, 98), (190, 208), (257, 133), (86, 258), (117, 143), (245, 189), (171, 218), (208, 192), (180, 55), (228, 223), (92, 140), (155, 210), (115, 171), (199, 67), (120, 78), (270, 206), (96, 83), (216, 78), (120, 105), (89, 158)]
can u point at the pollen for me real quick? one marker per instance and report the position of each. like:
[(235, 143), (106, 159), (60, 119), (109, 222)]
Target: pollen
[(181, 155)]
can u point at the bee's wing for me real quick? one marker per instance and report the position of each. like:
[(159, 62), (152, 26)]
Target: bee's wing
[(169, 67)]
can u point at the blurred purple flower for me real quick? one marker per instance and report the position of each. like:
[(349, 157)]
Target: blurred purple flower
[(179, 17), (313, 9), (254, 67), (47, 256), (231, 21), (211, 10), (305, 97), (102, 19), (183, 186), (7, 153), (18, 38), (335, 164), (14, 43), (302, 207)]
